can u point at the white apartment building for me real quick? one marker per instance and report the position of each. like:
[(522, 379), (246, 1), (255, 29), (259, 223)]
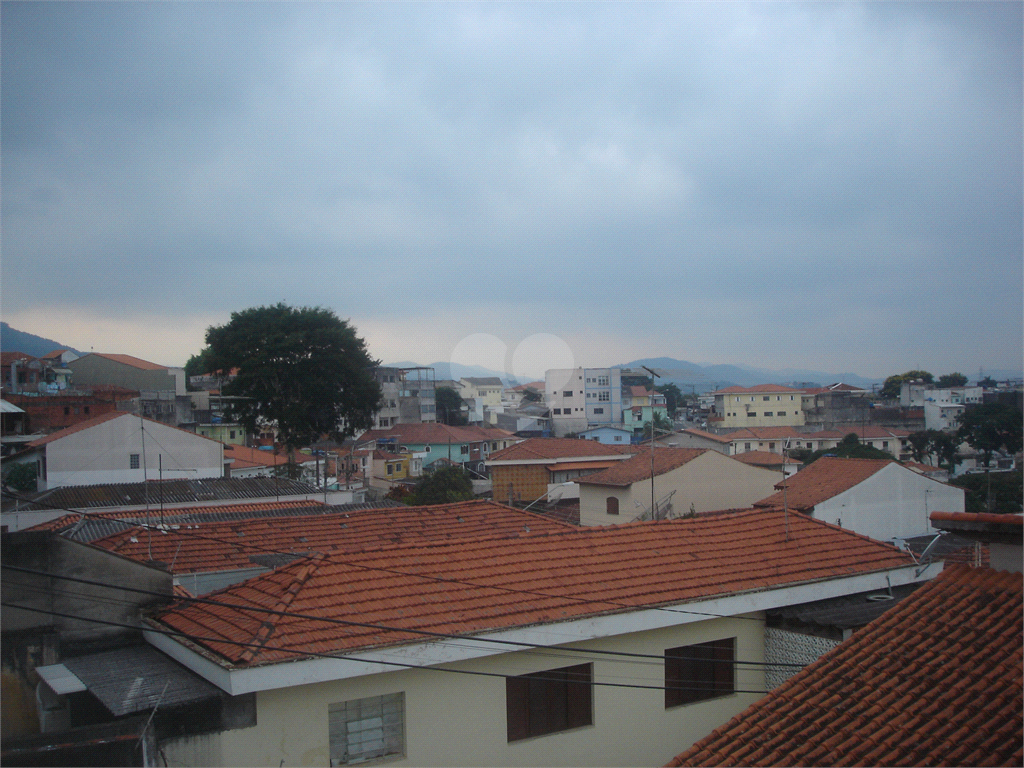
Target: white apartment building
[(580, 398)]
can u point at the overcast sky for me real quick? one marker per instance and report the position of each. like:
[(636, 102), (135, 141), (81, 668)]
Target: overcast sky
[(833, 185)]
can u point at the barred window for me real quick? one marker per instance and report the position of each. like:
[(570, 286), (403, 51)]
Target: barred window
[(367, 729)]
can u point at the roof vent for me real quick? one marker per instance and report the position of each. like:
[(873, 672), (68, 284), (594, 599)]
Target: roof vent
[(879, 598)]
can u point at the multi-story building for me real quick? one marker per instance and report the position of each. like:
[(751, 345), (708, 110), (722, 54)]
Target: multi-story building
[(765, 405), (580, 398), (407, 396)]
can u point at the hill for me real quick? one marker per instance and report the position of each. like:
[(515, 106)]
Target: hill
[(13, 340)]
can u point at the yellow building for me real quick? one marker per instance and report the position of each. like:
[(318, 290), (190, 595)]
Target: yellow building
[(766, 405)]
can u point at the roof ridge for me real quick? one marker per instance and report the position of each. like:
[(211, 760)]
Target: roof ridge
[(306, 569)]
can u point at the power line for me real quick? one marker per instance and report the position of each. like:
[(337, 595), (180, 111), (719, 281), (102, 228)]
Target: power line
[(440, 579), (362, 625), (320, 654)]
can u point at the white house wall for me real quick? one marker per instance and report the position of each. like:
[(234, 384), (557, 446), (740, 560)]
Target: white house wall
[(101, 454), (892, 503)]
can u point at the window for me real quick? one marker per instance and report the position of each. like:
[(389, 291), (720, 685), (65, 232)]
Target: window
[(133, 460), (746, 446), (751, 413), (611, 505), (771, 446), (366, 729), (567, 393), (556, 411), (232, 433), (548, 702), (699, 672), (598, 410), (766, 397), (618, 438), (768, 413), (602, 381), (604, 396), (464, 449), (390, 469), (781, 413)]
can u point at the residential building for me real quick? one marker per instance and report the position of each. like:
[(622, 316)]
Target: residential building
[(697, 438), (775, 461), (450, 646), (113, 448), (608, 435), (685, 480), (640, 406), (390, 382), (416, 402), (778, 439), (512, 397), (580, 398), (468, 446), (162, 390), (764, 405), (24, 374), (210, 412), (486, 391), (50, 412), (542, 468), (526, 420), (837, 406), (873, 497), (936, 680)]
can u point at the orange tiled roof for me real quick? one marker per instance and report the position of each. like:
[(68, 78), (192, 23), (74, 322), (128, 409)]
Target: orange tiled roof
[(638, 466), (6, 358), (547, 448), (229, 545), (479, 585), (778, 433), (706, 435), (762, 458), (825, 478), (936, 680), (241, 456), (435, 433), (131, 360), (79, 427)]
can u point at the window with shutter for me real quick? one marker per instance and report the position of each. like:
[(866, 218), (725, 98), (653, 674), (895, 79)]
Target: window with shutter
[(367, 729), (548, 702), (700, 672)]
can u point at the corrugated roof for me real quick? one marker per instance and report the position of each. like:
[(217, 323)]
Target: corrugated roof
[(937, 680), (171, 491), (827, 477), (213, 546), (477, 585), (133, 679), (134, 362)]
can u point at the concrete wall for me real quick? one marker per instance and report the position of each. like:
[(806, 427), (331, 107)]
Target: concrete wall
[(101, 454), (709, 482), (454, 719), (93, 370), (892, 503)]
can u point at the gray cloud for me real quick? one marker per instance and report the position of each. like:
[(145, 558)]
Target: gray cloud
[(817, 162)]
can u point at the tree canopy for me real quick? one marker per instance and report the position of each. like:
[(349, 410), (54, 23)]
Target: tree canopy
[(673, 397), (449, 404), (948, 380), (443, 486), (303, 369), (893, 384), (992, 427), (849, 448)]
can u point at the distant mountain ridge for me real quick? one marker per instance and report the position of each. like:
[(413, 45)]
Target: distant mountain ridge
[(13, 340)]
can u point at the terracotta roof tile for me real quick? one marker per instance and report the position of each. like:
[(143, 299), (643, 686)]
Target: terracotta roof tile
[(758, 389), (477, 585), (638, 467), (763, 459), (825, 478), (936, 680), (548, 448), (217, 546)]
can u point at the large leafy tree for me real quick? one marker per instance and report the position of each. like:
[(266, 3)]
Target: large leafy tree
[(301, 368), (893, 384), (991, 427), (449, 404)]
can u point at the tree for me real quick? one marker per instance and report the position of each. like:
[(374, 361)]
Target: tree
[(989, 428), (531, 395), (21, 477), (849, 448), (443, 486), (673, 397), (449, 405), (303, 369), (948, 380), (1005, 488), (893, 384), (988, 383), (661, 425), (921, 444)]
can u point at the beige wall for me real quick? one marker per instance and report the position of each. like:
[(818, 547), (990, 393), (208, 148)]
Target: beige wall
[(460, 720), (734, 410), (709, 482)]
